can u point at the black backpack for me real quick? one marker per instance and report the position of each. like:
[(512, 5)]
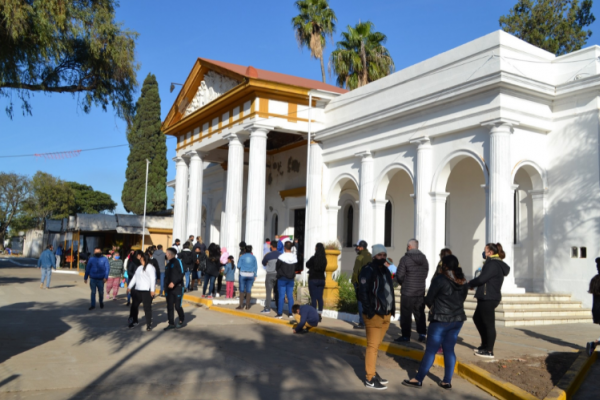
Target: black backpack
[(202, 265)]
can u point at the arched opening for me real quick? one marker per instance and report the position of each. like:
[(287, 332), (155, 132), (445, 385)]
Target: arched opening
[(349, 226), (343, 195), (387, 240)]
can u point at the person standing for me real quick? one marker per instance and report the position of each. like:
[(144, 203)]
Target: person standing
[(286, 266), (191, 240), (316, 277), (161, 258), (151, 260), (488, 295), (376, 292), (174, 275), (142, 289), (248, 270), (58, 253), (213, 269), (595, 292), (229, 277), (200, 245), (267, 246), (46, 262), (199, 262), (269, 262), (411, 275), (132, 264), (115, 274), (97, 269), (177, 245), (363, 257), (223, 260), (279, 244), (187, 259), (445, 299)]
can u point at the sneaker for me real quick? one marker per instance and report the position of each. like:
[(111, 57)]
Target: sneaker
[(359, 326), (291, 316), (265, 311), (101, 305), (179, 324), (477, 349), (484, 354), (170, 327), (218, 295), (422, 338), (590, 348), (279, 316), (417, 385), (374, 384), (402, 339), (380, 379), (92, 308), (148, 328), (41, 285), (209, 297)]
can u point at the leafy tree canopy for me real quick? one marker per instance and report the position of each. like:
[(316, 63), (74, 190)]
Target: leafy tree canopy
[(556, 26), (50, 198), (66, 46), (90, 201), (14, 191)]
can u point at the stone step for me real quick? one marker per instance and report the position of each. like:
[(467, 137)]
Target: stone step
[(537, 312), (529, 297), (526, 305), (529, 321)]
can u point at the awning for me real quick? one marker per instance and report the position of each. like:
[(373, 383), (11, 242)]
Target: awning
[(132, 230)]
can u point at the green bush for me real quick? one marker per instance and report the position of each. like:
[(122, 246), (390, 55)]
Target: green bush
[(347, 301)]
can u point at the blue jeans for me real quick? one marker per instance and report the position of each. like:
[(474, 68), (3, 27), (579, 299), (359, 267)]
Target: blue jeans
[(285, 287), (187, 279), (207, 279), (360, 307), (446, 335), (46, 275), (316, 288), (97, 284), (246, 283), (162, 283)]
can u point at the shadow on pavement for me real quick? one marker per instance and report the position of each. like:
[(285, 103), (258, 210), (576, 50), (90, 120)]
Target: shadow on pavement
[(9, 281), (550, 339)]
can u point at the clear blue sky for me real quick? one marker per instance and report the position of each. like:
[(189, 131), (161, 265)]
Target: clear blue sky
[(258, 33)]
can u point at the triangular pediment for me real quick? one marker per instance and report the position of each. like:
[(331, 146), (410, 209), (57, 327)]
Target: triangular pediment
[(212, 86)]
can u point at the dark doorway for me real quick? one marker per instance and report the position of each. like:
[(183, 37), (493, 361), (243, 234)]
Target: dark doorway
[(299, 219)]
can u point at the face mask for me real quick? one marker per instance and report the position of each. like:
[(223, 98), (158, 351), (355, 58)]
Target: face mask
[(379, 262), (356, 250), (483, 255), (117, 257)]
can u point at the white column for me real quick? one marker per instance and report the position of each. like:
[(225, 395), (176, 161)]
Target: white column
[(379, 219), (423, 203), (181, 194), (538, 240), (234, 196), (332, 221), (500, 210), (439, 218), (313, 233), (255, 202), (194, 215), (365, 214)]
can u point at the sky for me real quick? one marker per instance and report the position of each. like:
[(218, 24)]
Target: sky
[(258, 33)]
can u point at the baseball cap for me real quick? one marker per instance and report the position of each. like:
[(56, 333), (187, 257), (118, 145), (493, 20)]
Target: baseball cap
[(361, 243)]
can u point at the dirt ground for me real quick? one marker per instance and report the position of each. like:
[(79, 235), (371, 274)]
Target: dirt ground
[(535, 374)]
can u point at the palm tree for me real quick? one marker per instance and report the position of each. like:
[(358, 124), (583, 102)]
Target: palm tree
[(361, 57), (315, 21)]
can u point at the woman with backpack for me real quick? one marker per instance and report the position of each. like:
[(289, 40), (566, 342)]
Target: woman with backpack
[(141, 287), (229, 277), (213, 269), (595, 291), (316, 277)]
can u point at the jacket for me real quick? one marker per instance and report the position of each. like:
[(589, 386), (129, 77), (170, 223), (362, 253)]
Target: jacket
[(315, 271), (115, 268), (307, 314), (489, 282), (155, 265), (200, 246), (174, 273), (47, 260), (97, 267), (445, 299), (363, 258), (596, 309), (213, 266), (371, 291), (280, 246), (187, 259), (286, 266), (270, 261), (247, 264), (412, 273), (161, 258), (132, 265), (229, 273), (144, 280)]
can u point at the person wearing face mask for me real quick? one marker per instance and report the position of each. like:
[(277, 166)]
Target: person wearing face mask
[(376, 293), (363, 258), (115, 274)]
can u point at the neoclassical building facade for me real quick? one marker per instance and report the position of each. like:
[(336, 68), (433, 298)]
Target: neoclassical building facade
[(493, 141)]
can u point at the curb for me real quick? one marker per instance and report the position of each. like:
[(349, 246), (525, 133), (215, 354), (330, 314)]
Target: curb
[(569, 384), (490, 384)]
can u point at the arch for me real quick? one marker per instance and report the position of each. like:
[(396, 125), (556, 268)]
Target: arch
[(349, 225), (383, 180), (440, 178), (336, 188), (536, 173)]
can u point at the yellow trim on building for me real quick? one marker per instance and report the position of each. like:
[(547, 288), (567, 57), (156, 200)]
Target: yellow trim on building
[(297, 192)]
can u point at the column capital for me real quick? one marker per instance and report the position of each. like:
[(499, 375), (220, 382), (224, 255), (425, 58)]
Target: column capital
[(496, 123), (233, 138), (423, 142), (378, 203), (258, 129), (179, 160), (439, 196), (333, 207), (195, 154), (365, 155)]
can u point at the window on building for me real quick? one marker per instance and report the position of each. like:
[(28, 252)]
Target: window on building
[(349, 226), (583, 252), (387, 240), (574, 252)]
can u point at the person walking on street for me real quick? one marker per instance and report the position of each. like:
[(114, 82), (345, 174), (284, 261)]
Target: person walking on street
[(316, 277), (58, 254), (269, 262), (229, 277), (595, 292), (46, 262), (488, 295), (143, 285), (97, 269), (187, 259), (115, 274), (132, 264), (376, 292), (248, 270), (151, 260), (213, 269), (445, 299), (174, 275), (161, 258), (286, 266), (363, 258), (411, 275)]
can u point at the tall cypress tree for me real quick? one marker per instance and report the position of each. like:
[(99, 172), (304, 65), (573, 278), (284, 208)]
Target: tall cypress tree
[(146, 141)]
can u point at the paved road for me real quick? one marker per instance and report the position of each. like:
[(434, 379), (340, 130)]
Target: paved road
[(54, 348)]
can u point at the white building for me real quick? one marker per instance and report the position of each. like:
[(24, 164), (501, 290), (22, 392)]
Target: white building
[(493, 141)]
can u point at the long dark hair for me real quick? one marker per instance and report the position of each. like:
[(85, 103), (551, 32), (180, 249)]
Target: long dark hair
[(496, 248), (451, 268), (214, 252), (320, 258), (595, 282), (144, 257), (230, 259)]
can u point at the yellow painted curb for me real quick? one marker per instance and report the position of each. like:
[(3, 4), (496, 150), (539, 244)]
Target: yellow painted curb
[(568, 385), (489, 383), (198, 300)]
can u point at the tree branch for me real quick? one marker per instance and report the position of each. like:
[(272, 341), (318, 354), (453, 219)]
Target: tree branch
[(43, 88)]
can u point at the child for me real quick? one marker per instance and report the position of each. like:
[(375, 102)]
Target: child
[(229, 277), (304, 315), (595, 291)]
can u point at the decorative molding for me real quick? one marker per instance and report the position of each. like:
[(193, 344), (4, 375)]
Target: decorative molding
[(364, 154), (212, 87), (297, 192)]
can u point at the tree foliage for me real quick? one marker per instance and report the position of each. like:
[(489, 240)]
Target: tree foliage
[(50, 198), (146, 141), (315, 21), (66, 46), (361, 57), (556, 26), (90, 201), (14, 191)]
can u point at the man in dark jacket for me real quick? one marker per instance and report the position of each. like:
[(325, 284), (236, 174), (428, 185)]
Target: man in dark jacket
[(174, 275), (161, 258), (376, 293), (97, 269), (187, 259), (286, 273), (411, 275), (269, 262), (363, 258)]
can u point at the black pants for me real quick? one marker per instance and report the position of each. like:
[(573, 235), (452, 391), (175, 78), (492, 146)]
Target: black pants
[(137, 297), (174, 299), (409, 306), (485, 321), (315, 288), (218, 285)]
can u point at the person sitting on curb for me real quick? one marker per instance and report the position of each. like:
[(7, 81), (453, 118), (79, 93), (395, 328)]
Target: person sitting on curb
[(305, 315)]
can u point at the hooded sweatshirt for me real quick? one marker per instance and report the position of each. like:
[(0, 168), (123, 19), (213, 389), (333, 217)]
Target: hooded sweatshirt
[(489, 282), (286, 266), (270, 261), (161, 258), (412, 273), (97, 267), (187, 259)]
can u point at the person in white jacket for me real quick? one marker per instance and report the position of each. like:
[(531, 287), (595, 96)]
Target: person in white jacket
[(142, 287)]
